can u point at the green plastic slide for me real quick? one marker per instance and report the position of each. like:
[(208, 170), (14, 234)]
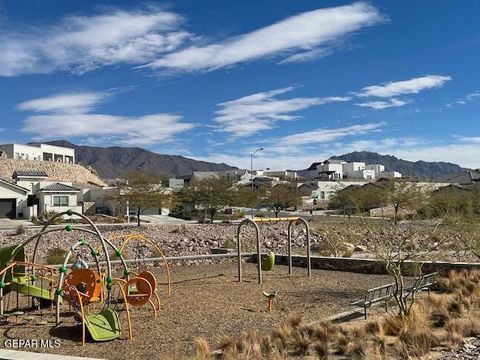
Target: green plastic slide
[(31, 290), (104, 326)]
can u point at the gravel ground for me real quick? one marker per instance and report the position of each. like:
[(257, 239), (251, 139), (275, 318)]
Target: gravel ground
[(175, 240), (206, 301), (470, 350)]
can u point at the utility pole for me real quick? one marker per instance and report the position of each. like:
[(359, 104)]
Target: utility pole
[(251, 171)]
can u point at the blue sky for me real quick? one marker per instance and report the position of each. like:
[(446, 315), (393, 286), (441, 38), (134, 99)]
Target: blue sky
[(303, 79)]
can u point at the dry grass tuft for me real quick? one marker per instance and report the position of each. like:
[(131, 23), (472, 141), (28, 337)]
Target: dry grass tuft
[(294, 321), (466, 327), (420, 342), (341, 341), (282, 333), (322, 350), (203, 349)]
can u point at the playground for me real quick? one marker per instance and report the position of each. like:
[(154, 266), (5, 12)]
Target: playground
[(207, 301), (102, 301)]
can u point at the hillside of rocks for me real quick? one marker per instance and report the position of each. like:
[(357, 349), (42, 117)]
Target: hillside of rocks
[(56, 171)]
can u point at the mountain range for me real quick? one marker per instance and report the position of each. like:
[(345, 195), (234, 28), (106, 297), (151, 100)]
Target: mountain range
[(114, 162)]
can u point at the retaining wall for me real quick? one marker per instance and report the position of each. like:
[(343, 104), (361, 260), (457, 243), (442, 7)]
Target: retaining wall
[(370, 266)]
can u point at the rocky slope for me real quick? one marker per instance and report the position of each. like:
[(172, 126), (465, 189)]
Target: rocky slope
[(73, 173)]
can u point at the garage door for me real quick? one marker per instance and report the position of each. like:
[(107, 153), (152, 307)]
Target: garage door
[(8, 208)]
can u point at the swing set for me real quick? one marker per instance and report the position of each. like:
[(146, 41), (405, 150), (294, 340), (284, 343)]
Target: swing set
[(269, 262)]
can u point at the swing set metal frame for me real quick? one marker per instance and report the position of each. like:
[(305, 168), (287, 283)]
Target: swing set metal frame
[(255, 221)]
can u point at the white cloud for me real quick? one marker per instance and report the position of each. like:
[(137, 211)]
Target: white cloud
[(126, 130), (327, 135), (380, 105), (66, 103), (412, 86), (299, 38), (69, 115), (465, 99), (83, 43), (260, 111)]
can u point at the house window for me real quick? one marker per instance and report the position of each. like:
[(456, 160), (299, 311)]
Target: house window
[(322, 195), (60, 200)]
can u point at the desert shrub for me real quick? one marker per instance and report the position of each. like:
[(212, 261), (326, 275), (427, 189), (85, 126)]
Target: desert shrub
[(56, 256), (229, 244), (20, 230), (347, 253), (120, 219), (44, 217)]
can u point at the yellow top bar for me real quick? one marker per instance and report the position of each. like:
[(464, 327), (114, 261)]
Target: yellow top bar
[(274, 219)]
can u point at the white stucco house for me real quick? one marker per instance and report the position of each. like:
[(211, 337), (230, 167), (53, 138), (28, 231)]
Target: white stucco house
[(326, 189), (40, 152), (29, 193)]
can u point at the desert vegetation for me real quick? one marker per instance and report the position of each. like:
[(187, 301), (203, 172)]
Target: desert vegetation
[(436, 321)]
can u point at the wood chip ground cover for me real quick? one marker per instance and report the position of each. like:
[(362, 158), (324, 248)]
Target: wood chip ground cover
[(207, 301)]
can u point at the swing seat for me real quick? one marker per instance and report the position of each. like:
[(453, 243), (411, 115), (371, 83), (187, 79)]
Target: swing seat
[(269, 262)]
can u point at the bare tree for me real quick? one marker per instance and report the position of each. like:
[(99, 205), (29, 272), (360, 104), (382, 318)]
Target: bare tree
[(465, 229), (396, 247)]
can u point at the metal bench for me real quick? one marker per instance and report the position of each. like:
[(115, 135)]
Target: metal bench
[(385, 293)]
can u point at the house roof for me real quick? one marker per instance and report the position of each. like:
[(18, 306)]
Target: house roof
[(6, 182), (58, 187), (29, 173), (454, 186), (311, 185), (462, 178), (333, 161)]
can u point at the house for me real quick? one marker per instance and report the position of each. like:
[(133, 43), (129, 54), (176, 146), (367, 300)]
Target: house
[(58, 197), (307, 188), (30, 194), (338, 169), (326, 189), (39, 152), (281, 174), (331, 169), (13, 200)]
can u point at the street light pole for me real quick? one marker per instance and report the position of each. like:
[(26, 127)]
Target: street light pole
[(251, 170)]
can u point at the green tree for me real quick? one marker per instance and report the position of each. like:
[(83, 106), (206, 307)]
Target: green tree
[(451, 200), (143, 191), (246, 197), (210, 194), (282, 196), (403, 195), (356, 198)]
